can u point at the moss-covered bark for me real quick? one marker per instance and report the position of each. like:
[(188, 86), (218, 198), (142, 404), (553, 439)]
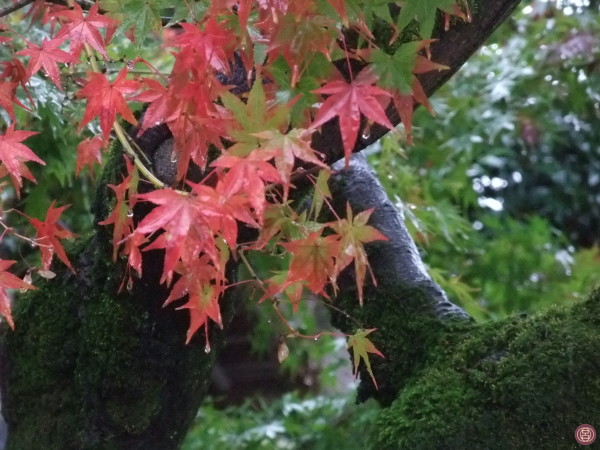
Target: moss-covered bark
[(449, 383), (521, 383), (88, 367)]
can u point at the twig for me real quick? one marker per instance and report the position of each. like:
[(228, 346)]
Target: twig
[(14, 7), (274, 302)]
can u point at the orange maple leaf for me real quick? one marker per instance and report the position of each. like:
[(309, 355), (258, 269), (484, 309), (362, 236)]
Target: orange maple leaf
[(313, 260)]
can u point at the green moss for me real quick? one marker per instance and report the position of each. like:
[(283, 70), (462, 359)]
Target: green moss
[(91, 368), (407, 331), (520, 383)]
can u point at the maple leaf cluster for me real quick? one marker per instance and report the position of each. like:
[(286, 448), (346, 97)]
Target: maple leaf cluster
[(251, 138)]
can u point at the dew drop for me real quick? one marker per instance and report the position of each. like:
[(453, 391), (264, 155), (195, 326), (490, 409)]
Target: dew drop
[(316, 339), (130, 213), (207, 348), (174, 156)]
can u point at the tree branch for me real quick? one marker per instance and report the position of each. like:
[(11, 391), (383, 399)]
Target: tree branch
[(453, 48), (14, 7), (410, 311)]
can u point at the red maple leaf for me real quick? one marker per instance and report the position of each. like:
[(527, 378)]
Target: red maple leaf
[(88, 154), (13, 156), (9, 281), (105, 99), (248, 175), (348, 101), (13, 74), (313, 260), (82, 29), (209, 45), (120, 216), (48, 234), (188, 224), (46, 56), (164, 105), (8, 96), (198, 281)]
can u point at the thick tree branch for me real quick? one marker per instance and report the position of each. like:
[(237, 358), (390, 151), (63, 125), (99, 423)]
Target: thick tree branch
[(453, 48), (410, 311), (396, 261)]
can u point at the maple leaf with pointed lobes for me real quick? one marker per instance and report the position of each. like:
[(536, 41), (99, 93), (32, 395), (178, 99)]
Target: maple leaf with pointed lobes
[(48, 234), (353, 233), (198, 281), (425, 12), (361, 347), (9, 281), (46, 56), (88, 154), (13, 156), (120, 216), (248, 175), (397, 73), (8, 96), (210, 44), (289, 146), (164, 105), (348, 101), (190, 223), (82, 29), (313, 260), (105, 99)]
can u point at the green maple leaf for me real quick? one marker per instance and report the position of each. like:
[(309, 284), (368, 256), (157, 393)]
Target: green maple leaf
[(141, 15), (396, 71), (252, 118), (425, 12), (361, 347)]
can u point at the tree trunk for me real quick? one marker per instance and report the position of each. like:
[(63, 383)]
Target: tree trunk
[(93, 366)]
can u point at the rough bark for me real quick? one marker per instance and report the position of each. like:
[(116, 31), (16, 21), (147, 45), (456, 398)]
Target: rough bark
[(449, 383)]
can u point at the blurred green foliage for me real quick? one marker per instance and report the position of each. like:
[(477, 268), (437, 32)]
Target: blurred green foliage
[(501, 188), (318, 423)]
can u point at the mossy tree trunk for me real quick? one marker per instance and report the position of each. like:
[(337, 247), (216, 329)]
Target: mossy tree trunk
[(94, 365)]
